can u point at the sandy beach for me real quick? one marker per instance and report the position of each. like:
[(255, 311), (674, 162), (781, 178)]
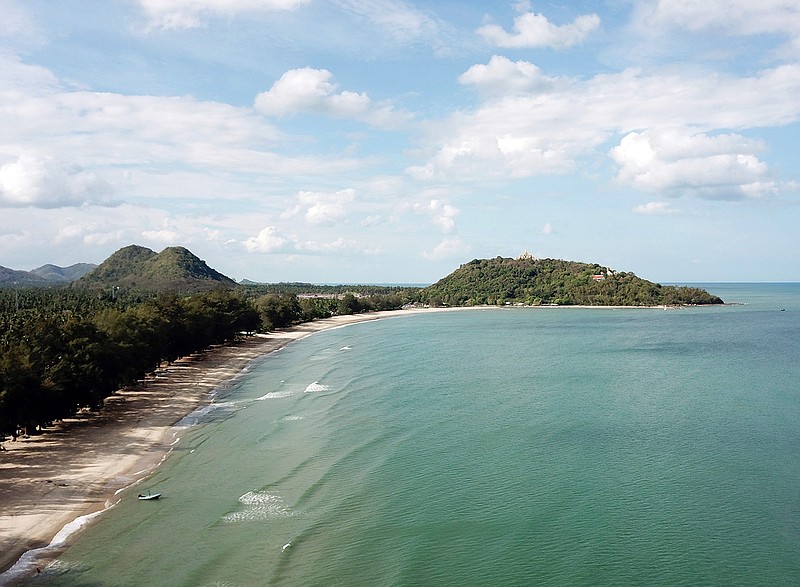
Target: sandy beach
[(52, 483), (77, 468)]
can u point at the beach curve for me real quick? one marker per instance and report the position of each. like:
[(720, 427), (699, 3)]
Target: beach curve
[(53, 484)]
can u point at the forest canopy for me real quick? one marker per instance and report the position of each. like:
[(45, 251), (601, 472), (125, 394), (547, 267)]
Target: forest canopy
[(531, 281), (62, 349)]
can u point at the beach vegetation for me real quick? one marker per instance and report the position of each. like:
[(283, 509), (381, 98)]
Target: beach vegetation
[(65, 349), (61, 351)]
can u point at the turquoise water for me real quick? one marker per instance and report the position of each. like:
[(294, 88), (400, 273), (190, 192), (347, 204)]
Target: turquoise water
[(487, 447)]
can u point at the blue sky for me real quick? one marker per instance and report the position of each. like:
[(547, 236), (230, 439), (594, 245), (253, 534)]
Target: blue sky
[(364, 141)]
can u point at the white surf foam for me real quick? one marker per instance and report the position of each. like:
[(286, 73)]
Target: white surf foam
[(197, 416), (27, 564), (315, 387), (258, 505), (275, 395)]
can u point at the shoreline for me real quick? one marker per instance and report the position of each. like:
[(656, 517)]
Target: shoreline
[(54, 484)]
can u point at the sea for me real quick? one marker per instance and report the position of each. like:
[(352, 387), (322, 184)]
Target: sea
[(485, 447)]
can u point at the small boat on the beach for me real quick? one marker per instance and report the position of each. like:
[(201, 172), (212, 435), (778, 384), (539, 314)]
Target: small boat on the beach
[(149, 496)]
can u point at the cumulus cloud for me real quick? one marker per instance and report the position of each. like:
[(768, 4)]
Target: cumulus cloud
[(186, 14), (271, 240), (167, 234), (36, 182), (671, 161), (501, 76), (534, 30), (442, 214), (553, 129), (326, 208), (268, 240), (312, 90), (323, 208), (452, 248)]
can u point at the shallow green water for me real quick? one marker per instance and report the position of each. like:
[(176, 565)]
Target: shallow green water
[(487, 447)]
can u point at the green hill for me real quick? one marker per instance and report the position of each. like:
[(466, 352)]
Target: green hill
[(552, 281), (139, 268), (56, 274), (15, 278)]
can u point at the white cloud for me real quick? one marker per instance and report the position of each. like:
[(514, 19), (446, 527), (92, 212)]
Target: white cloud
[(88, 232), (547, 229), (185, 14), (732, 17), (17, 24), (443, 214), (339, 245), (21, 82), (453, 248), (37, 182), (654, 209), (501, 76), (372, 220), (271, 240), (165, 236), (312, 90), (552, 130), (534, 30), (115, 134), (168, 234), (325, 208), (400, 20), (673, 161), (95, 227), (268, 240)]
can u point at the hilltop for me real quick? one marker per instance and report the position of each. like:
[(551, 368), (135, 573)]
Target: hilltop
[(14, 277), (56, 274), (139, 268), (527, 280), (43, 276)]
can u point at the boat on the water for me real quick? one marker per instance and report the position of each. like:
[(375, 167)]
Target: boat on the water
[(149, 495)]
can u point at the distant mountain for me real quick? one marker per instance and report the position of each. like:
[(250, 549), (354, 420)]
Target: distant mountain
[(13, 277), (528, 280), (56, 274), (139, 268)]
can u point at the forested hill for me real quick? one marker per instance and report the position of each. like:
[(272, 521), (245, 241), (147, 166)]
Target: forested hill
[(552, 281), (139, 268), (56, 274), (44, 276), (23, 278)]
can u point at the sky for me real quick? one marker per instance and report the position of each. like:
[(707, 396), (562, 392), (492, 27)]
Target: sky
[(390, 141)]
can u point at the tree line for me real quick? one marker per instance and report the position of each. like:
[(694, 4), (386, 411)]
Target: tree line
[(63, 350)]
